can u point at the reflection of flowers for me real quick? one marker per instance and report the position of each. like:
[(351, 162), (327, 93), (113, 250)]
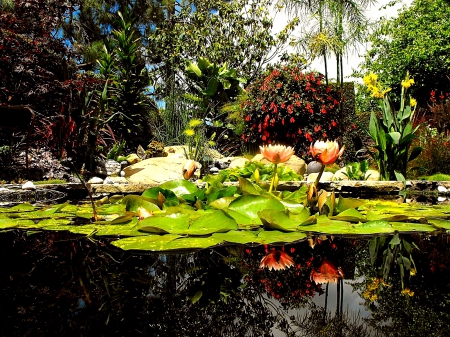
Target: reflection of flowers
[(276, 260), (327, 272), (372, 289)]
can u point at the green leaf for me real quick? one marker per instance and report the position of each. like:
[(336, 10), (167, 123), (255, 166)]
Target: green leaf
[(415, 153), (133, 202), (250, 205), (179, 187), (393, 137), (279, 220), (214, 222)]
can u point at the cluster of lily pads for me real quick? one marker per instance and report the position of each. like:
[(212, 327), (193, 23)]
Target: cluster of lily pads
[(184, 216)]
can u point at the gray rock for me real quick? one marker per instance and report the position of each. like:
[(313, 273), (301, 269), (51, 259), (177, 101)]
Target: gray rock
[(122, 174), (314, 167)]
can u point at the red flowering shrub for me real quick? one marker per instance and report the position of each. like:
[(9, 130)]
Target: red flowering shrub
[(290, 107)]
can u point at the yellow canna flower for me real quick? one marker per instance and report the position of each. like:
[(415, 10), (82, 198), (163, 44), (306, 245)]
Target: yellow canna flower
[(370, 79), (412, 102), (189, 132), (408, 292), (194, 123), (407, 83)]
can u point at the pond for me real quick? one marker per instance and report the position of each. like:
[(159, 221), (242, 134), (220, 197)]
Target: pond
[(180, 260), (60, 284)]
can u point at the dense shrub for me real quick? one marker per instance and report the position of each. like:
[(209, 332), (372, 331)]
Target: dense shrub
[(290, 107), (433, 137)]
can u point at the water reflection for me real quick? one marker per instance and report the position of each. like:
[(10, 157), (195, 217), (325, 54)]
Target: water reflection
[(56, 284)]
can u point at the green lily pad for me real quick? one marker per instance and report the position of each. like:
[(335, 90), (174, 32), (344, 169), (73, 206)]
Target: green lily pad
[(271, 237), (133, 202), (279, 220), (215, 222), (351, 215), (147, 242), (179, 187), (240, 237), (176, 223), (439, 223), (250, 205)]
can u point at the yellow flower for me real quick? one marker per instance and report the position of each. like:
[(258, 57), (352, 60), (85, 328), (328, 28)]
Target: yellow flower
[(370, 79), (406, 83), (408, 292), (412, 102), (189, 132), (194, 123), (376, 93)]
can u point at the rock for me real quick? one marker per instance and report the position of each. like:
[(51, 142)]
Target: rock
[(295, 163), (157, 170), (133, 159), (112, 167), (118, 180), (122, 174), (442, 189), (223, 163), (237, 162), (108, 180), (124, 164), (314, 167), (326, 176), (95, 180), (340, 174), (28, 186), (155, 149), (214, 170), (372, 175)]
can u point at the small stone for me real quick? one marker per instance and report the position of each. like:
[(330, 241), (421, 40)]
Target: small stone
[(442, 189), (122, 173), (28, 186), (314, 167), (441, 199), (214, 170), (108, 180), (112, 167), (95, 180)]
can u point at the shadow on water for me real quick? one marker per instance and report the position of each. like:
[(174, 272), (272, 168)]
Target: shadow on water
[(57, 284)]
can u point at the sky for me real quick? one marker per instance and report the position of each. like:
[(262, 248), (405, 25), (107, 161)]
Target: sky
[(353, 59)]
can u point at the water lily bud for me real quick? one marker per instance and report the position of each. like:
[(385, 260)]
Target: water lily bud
[(257, 176), (161, 199), (189, 169), (275, 181)]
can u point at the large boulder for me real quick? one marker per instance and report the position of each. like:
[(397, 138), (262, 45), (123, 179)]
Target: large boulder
[(295, 163), (155, 171)]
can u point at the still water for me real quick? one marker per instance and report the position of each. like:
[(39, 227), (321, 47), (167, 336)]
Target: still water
[(57, 284)]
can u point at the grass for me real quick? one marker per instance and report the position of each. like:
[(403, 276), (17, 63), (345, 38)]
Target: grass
[(51, 181), (436, 177)]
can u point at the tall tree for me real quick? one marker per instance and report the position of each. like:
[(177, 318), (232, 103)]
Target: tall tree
[(418, 41), (338, 26)]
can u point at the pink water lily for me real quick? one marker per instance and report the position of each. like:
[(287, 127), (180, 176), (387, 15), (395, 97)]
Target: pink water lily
[(327, 272), (326, 152), (277, 153)]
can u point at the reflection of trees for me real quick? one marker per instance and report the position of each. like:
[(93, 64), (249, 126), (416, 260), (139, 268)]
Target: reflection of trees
[(426, 312), (56, 284)]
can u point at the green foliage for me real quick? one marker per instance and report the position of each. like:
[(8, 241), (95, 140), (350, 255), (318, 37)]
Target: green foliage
[(288, 106), (433, 158), (265, 172), (392, 131), (116, 150), (357, 170), (124, 66), (416, 41), (436, 177)]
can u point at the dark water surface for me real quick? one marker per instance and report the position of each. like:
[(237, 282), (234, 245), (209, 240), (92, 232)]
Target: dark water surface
[(57, 284)]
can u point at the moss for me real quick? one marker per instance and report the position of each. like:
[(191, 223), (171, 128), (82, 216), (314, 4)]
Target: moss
[(51, 181), (437, 177)]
